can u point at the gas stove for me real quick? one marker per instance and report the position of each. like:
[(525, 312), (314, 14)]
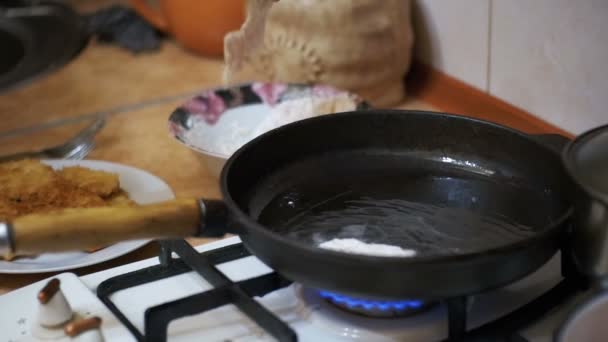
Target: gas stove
[(219, 292)]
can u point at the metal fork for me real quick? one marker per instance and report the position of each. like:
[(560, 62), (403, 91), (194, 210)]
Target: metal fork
[(76, 147)]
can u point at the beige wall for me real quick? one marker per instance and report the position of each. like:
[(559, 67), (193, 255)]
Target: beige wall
[(545, 56)]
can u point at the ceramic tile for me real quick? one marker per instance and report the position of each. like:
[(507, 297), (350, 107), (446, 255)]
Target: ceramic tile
[(453, 36), (547, 56)]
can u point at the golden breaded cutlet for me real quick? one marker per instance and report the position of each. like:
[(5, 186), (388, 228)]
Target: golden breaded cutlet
[(62, 195), (98, 182), (21, 179), (29, 186), (120, 199), (57, 195), (8, 210)]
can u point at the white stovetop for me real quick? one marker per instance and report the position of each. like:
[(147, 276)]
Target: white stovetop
[(313, 319)]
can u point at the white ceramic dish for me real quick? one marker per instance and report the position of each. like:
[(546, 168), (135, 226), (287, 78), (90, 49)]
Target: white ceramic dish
[(229, 115), (141, 186)]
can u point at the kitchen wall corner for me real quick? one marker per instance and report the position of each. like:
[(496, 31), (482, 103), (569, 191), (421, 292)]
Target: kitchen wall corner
[(453, 36), (548, 57), (544, 56)]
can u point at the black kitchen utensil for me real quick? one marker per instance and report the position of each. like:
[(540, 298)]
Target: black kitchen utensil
[(37, 37), (40, 36), (482, 205), (123, 26)]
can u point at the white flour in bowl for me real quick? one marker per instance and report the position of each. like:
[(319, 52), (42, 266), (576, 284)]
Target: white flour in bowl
[(237, 133), (355, 246), (303, 108)]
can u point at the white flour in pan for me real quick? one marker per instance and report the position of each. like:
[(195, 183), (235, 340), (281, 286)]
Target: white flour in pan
[(355, 246)]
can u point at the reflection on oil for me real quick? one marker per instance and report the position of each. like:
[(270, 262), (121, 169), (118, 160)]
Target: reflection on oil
[(431, 215)]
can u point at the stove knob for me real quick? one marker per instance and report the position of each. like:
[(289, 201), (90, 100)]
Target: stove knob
[(85, 330), (53, 309)]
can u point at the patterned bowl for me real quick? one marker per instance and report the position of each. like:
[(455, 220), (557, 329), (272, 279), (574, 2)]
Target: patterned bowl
[(217, 122)]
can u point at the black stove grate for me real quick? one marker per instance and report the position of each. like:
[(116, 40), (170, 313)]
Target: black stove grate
[(241, 295)]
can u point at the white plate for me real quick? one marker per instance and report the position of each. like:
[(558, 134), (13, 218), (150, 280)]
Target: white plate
[(142, 188)]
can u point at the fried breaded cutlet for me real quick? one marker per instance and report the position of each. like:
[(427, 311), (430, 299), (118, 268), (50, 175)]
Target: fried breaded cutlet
[(29, 186), (7, 209), (98, 182), (25, 178), (120, 199)]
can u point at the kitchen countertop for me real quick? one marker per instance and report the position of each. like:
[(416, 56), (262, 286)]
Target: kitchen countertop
[(106, 77)]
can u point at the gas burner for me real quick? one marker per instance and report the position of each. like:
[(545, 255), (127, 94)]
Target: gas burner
[(376, 308), (290, 312)]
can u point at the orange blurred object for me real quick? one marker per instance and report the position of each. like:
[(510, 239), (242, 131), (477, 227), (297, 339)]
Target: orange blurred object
[(199, 25)]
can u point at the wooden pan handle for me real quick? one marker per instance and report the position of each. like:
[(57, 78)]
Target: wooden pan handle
[(77, 229)]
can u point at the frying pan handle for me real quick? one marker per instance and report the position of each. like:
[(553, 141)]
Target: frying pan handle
[(214, 218), (77, 229), (555, 142)]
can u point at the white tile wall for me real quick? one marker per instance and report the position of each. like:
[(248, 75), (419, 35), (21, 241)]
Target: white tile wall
[(452, 36), (550, 57)]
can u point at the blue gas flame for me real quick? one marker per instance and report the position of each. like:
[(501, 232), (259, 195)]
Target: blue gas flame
[(355, 303)]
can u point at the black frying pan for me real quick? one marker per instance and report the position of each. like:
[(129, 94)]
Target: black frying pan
[(481, 204)]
